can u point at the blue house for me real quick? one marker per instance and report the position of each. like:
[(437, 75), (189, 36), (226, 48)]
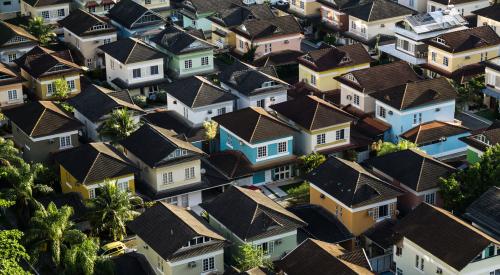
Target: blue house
[(409, 105), (266, 144), (134, 20)]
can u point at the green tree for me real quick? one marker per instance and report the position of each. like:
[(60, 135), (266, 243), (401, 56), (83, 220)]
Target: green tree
[(12, 253), (111, 210), (249, 56), (299, 194), (470, 92), (307, 163), (119, 125), (330, 39), (61, 89), (210, 132), (463, 187), (249, 257), (9, 154), (82, 258), (43, 32), (383, 148)]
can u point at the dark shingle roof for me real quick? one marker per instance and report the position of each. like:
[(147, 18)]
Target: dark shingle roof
[(130, 50), (132, 263), (259, 125), (350, 183), (44, 3), (234, 164), (491, 12), (433, 131), (416, 94), (464, 40), (80, 23), (443, 235), (485, 211), (127, 12), (8, 75), (378, 10), (285, 57), (335, 57), (264, 28), (382, 233), (39, 61), (237, 15), (94, 162), (9, 31), (252, 215), (416, 169), (492, 135), (167, 228), (178, 41), (314, 114), (42, 118), (172, 120), (340, 4), (208, 6), (453, 2)]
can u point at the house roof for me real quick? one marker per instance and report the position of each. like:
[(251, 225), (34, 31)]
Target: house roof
[(314, 114), (9, 31), (416, 94), (485, 211), (127, 12), (130, 50), (266, 28), (42, 118), (196, 91), (236, 15), (94, 102), (252, 215), (382, 233), (378, 10), (178, 41), (132, 263), (335, 57), (491, 134), (234, 164), (490, 12), (285, 57), (433, 131), (8, 75), (379, 77), (44, 3), (259, 125), (165, 142), (208, 6), (416, 170), (80, 22), (443, 235), (172, 120), (94, 162), (341, 4), (452, 2), (317, 257), (167, 228), (350, 183), (464, 40), (41, 61)]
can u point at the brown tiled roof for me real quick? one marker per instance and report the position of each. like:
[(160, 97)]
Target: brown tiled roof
[(485, 211), (9, 31), (131, 50), (335, 57), (232, 163), (378, 10), (468, 39), (39, 61), (266, 28), (453, 2), (492, 134), (8, 76), (433, 131)]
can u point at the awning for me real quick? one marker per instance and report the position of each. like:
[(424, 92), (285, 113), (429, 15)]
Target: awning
[(491, 92)]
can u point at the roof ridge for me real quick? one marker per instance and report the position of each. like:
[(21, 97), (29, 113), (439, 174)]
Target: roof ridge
[(197, 93), (38, 121), (255, 128), (131, 50), (92, 165), (314, 115), (404, 94), (420, 173), (371, 9)]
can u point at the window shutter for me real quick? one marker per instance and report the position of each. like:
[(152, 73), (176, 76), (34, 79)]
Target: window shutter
[(375, 213)]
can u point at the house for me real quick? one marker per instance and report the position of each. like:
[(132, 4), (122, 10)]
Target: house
[(418, 174), (479, 142), (355, 196), (484, 212), (304, 8), (86, 32), (491, 97), (323, 128), (333, 16), (11, 87), (41, 67), (489, 16), (133, 65), (428, 234), (198, 100), (41, 128), (268, 35), (465, 7), (14, 42), (378, 243), (176, 242), (85, 169), (50, 10), (356, 87), (186, 54), (95, 7), (134, 20), (254, 87), (170, 168), (195, 13), (266, 142), (161, 7), (412, 33), (253, 219), (320, 67), (317, 257), (95, 104), (9, 9), (458, 54), (408, 105), (132, 263)]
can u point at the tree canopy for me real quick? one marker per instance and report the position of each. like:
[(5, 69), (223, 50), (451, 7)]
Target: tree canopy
[(307, 163), (61, 89), (119, 125), (43, 32), (250, 257), (12, 252), (383, 148)]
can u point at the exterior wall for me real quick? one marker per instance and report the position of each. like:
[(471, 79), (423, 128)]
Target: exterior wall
[(4, 95), (228, 41), (366, 102), (451, 145), (482, 21), (305, 7), (465, 9), (332, 17), (87, 46), (201, 23), (99, 9), (176, 63), (473, 155), (417, 5), (32, 12), (270, 98), (40, 86), (459, 60), (115, 69), (277, 44), (17, 51), (306, 142), (372, 29), (325, 81), (198, 115), (6, 8)]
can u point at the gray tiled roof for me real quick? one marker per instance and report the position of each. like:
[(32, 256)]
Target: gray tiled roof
[(485, 211), (80, 23), (178, 41), (131, 50), (378, 10)]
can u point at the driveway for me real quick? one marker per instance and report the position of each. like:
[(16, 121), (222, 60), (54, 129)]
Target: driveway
[(472, 121)]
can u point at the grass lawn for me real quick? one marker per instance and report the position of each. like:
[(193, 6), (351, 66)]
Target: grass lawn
[(286, 188), (487, 113)]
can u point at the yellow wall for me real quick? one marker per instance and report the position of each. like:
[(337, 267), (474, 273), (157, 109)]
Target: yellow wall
[(41, 89), (229, 40), (461, 59), (325, 80), (310, 7)]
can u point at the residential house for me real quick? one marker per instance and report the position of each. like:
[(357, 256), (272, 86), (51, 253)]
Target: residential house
[(95, 7), (170, 168), (418, 174), (323, 128), (333, 15), (86, 168), (412, 33), (134, 20), (408, 105), (378, 243), (41, 128), (41, 67), (254, 87), (357, 86), (195, 13), (14, 42), (328, 259), (176, 242), (133, 65), (96, 104), (491, 97), (478, 142), (86, 32), (9, 9), (253, 219), (428, 234), (465, 7), (198, 100), (320, 67), (161, 7), (489, 16), (484, 212), (50, 10), (304, 8), (266, 142), (355, 196), (268, 35), (186, 54), (11, 87), (458, 54)]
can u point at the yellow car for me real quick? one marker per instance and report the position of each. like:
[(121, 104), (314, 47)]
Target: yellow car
[(112, 249)]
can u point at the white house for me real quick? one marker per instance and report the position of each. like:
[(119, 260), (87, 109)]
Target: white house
[(464, 7)]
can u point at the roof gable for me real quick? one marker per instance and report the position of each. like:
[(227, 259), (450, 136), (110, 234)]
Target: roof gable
[(464, 40)]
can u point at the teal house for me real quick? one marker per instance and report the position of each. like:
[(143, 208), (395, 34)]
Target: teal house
[(479, 141), (195, 13)]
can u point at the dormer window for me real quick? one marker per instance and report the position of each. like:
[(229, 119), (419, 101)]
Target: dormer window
[(345, 59), (197, 241), (350, 77), (308, 58), (440, 40), (99, 26), (177, 153), (268, 84), (482, 139), (59, 67)]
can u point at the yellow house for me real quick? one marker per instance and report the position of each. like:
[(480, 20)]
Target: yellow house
[(41, 67), (457, 54), (319, 68), (355, 196), (489, 16), (11, 87), (85, 168), (304, 8)]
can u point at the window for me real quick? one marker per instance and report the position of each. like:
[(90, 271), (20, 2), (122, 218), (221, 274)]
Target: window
[(229, 141), (50, 89), (71, 85), (208, 264), (185, 201), (268, 48), (147, 2), (204, 61), (433, 55), (267, 248), (7, 3), (122, 186), (419, 262), (445, 60), (136, 73), (353, 25), (188, 64), (383, 211), (172, 200), (399, 271), (91, 193), (45, 14), (412, 3), (159, 262), (91, 9), (282, 172), (302, 4), (381, 112), (168, 178), (262, 152), (399, 251), (241, 44), (417, 118), (89, 62), (484, 56), (356, 100), (112, 64), (339, 134), (321, 139), (261, 103), (65, 142), (221, 111), (154, 70), (60, 12), (439, 270), (12, 57), (430, 198), (106, 40), (313, 79), (189, 173), (12, 94), (282, 147)]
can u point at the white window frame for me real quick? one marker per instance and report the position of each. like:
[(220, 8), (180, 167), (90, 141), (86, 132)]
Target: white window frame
[(313, 79), (92, 194), (430, 198), (189, 173), (355, 100), (261, 152), (382, 112), (154, 70), (339, 133), (12, 57), (204, 61), (71, 85), (136, 73), (122, 186), (188, 64), (282, 147), (168, 178), (208, 264), (65, 142), (321, 138), (12, 94)]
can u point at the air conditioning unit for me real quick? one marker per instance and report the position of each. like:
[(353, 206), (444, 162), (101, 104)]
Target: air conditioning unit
[(391, 113), (192, 264), (349, 97), (438, 109), (278, 242)]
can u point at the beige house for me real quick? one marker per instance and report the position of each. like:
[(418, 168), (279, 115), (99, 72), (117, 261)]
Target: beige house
[(50, 10), (11, 87), (489, 16), (14, 42)]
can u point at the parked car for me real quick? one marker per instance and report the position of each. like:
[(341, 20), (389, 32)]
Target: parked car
[(112, 249)]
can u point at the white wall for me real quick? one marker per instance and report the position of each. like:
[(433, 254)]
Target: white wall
[(366, 102), (374, 28), (198, 115), (418, 5), (115, 69), (465, 9), (245, 101)]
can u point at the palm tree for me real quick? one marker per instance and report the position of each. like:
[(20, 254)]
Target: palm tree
[(9, 154), (119, 125), (81, 258), (110, 211), (38, 28)]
